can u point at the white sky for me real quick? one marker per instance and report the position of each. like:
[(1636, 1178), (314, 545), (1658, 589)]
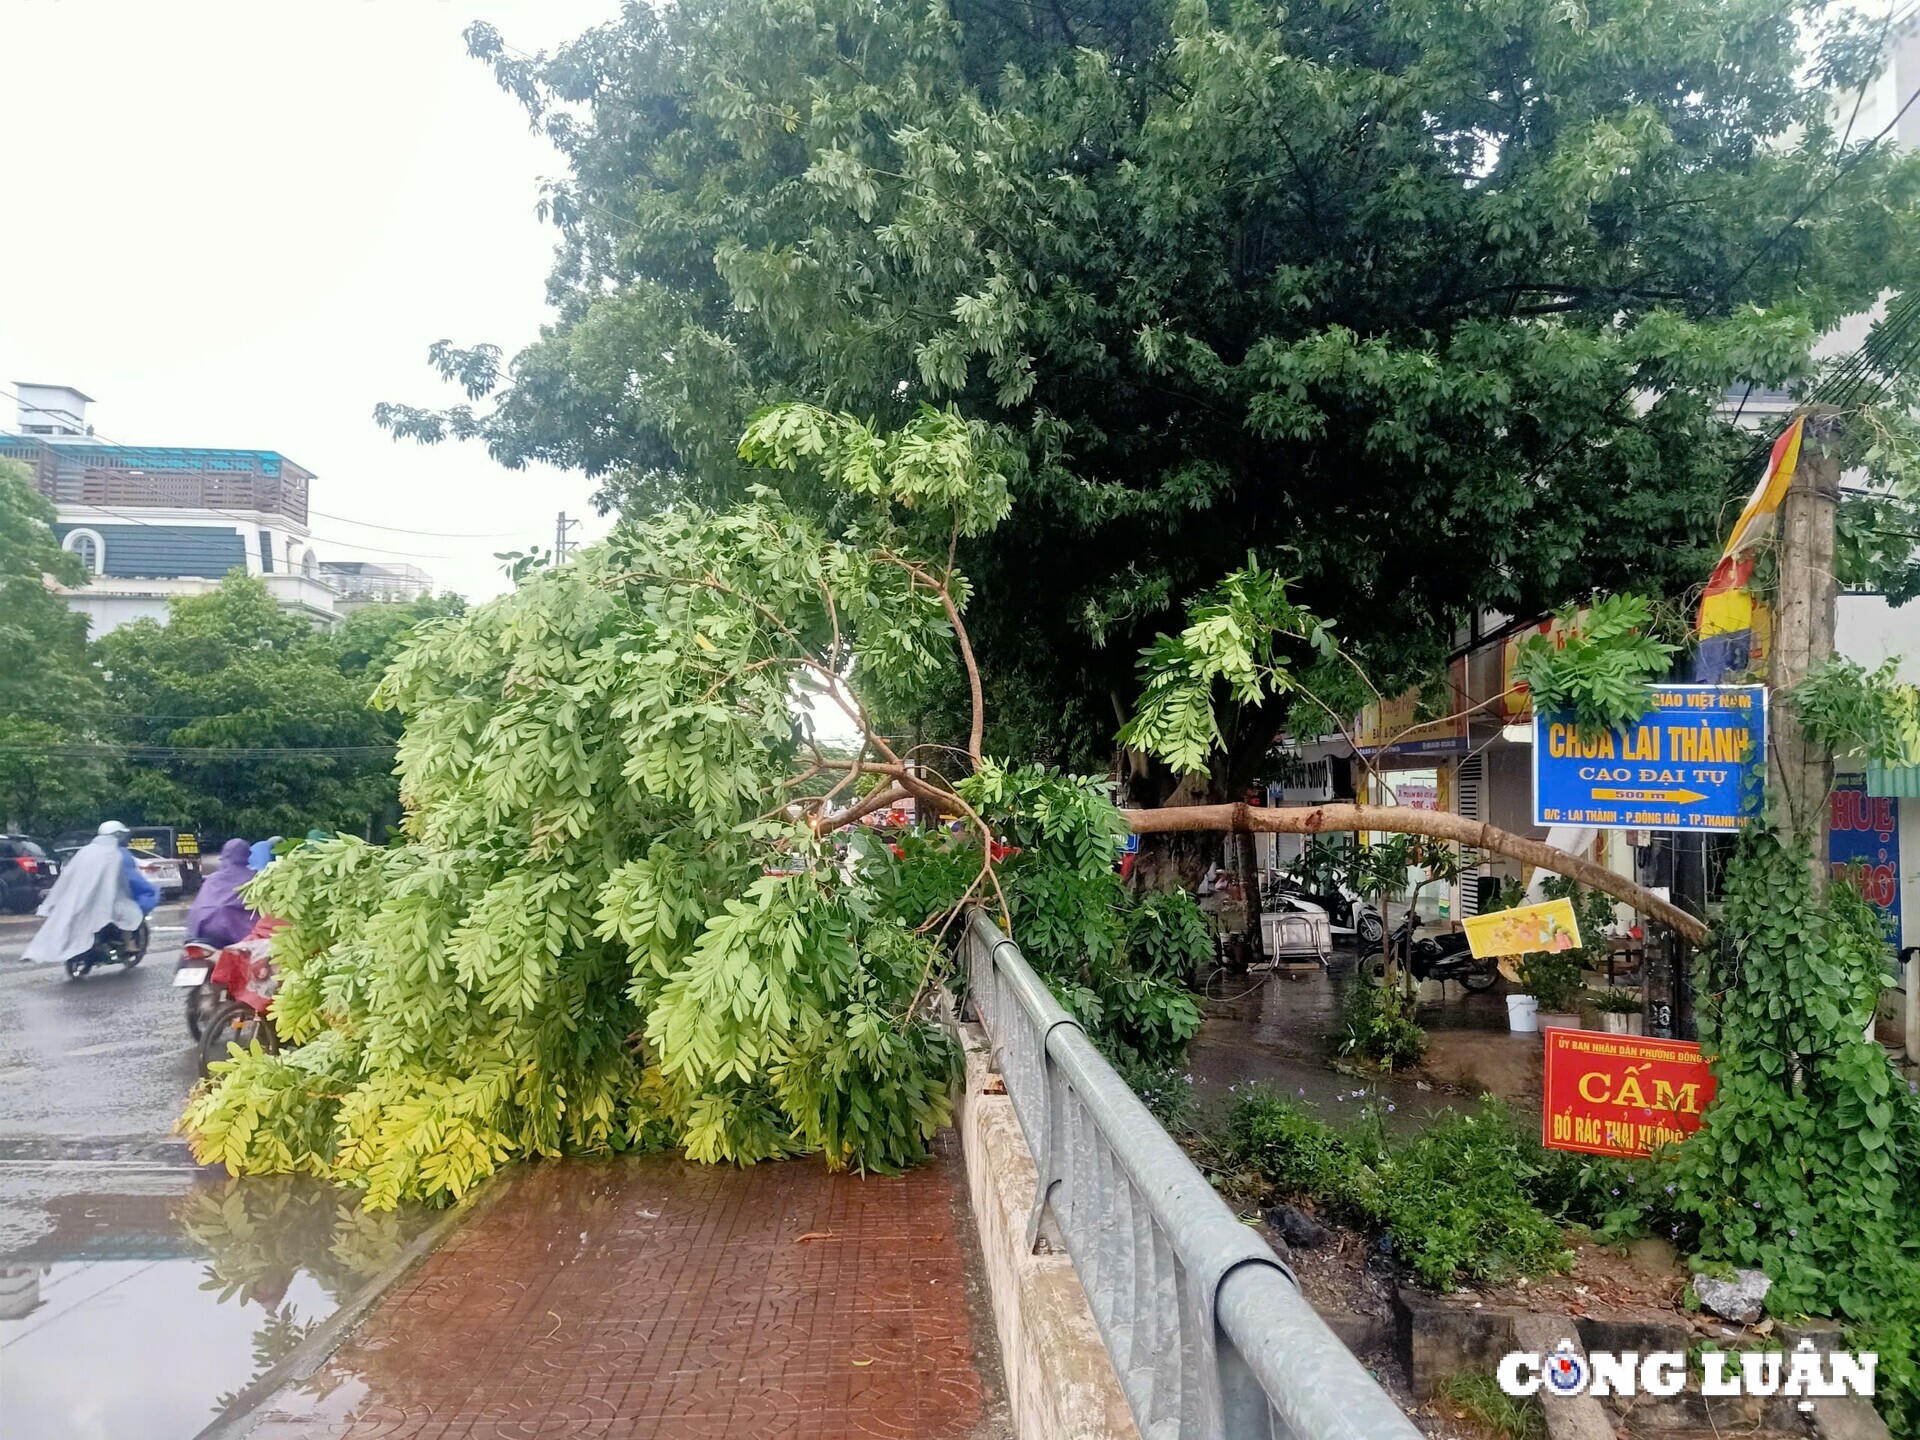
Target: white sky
[(242, 224)]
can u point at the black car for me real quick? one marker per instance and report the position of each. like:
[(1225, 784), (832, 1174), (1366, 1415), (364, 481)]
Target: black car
[(27, 872)]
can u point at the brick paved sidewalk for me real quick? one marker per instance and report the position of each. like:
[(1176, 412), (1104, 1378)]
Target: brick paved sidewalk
[(652, 1297)]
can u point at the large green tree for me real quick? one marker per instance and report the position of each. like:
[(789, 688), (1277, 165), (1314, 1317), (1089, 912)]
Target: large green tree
[(239, 718), (50, 695), (1428, 304)]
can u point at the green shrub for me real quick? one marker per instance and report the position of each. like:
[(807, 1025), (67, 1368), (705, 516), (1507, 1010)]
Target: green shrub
[(1301, 1155), (1458, 1206), (1375, 1026), (1453, 1198)]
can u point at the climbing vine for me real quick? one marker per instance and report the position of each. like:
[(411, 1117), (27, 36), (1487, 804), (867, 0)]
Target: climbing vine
[(1807, 1164)]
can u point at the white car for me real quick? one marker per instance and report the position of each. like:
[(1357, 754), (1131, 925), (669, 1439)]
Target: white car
[(161, 873)]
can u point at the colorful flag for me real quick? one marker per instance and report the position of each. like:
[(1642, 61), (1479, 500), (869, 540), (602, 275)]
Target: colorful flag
[(1736, 627)]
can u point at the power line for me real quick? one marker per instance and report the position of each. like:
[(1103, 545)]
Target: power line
[(437, 534)]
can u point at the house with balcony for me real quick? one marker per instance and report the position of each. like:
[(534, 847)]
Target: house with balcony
[(154, 522)]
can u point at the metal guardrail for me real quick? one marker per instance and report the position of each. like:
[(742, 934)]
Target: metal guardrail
[(1207, 1330)]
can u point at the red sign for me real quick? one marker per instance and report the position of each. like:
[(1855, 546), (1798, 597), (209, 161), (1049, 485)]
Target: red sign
[(1621, 1094)]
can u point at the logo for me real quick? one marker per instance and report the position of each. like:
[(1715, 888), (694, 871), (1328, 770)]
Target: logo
[(1565, 1371)]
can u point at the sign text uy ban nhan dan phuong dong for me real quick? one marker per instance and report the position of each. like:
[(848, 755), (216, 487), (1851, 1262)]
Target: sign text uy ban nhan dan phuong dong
[(1690, 763)]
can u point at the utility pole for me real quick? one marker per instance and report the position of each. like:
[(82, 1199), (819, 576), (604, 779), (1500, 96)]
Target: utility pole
[(1803, 628), (561, 544)]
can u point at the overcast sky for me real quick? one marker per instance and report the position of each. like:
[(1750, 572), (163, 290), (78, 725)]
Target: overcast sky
[(242, 222)]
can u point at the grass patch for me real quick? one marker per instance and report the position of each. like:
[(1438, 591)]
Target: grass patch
[(1479, 1400)]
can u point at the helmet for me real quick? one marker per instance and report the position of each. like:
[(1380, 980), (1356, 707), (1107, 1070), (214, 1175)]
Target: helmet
[(111, 827)]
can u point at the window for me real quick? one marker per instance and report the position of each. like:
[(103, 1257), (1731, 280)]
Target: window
[(309, 566), (91, 549), (266, 552)]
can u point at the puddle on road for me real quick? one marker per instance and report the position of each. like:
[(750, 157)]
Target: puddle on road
[(151, 1303)]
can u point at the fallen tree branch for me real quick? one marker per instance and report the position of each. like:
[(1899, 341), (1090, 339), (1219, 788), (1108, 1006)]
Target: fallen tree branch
[(1404, 820)]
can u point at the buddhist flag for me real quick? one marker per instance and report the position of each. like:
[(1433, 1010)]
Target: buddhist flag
[(1736, 629)]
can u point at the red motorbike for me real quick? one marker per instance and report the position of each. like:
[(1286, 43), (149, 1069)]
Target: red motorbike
[(240, 986)]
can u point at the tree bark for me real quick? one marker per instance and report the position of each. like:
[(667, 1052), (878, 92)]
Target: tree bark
[(1403, 820)]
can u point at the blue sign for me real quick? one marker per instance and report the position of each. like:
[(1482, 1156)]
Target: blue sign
[(1690, 763), (1863, 846)]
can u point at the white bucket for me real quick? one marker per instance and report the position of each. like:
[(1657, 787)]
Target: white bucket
[(1521, 1010)]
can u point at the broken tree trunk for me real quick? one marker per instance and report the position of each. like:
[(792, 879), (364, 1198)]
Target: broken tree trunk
[(1404, 820)]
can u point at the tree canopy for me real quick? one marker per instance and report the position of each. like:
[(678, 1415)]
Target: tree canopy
[(49, 691), (239, 718), (1427, 305)]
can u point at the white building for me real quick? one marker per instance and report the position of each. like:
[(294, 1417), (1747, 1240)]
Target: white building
[(152, 522)]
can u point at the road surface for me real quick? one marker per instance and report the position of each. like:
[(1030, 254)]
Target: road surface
[(109, 1233)]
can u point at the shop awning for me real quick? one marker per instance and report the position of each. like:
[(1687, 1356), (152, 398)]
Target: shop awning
[(1897, 781)]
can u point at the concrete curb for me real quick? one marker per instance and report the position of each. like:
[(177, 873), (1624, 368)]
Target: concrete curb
[(310, 1354), (1060, 1382)]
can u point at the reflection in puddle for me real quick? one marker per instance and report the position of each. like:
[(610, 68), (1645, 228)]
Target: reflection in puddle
[(148, 1315)]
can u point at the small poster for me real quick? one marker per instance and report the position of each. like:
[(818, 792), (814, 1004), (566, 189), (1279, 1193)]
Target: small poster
[(1550, 925), (1622, 1095)]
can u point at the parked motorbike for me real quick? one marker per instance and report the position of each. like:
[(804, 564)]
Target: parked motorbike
[(111, 946), (247, 979), (1433, 957), (194, 969), (1347, 912)]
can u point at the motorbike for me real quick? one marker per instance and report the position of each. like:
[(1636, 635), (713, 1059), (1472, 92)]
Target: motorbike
[(246, 980), (1347, 912), (193, 971), (111, 946), (1433, 957)]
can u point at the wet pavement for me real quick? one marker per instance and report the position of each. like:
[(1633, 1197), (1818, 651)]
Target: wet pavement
[(1275, 1030), (138, 1292), (652, 1297)]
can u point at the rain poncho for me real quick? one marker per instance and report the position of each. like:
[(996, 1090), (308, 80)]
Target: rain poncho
[(100, 886), (218, 915)]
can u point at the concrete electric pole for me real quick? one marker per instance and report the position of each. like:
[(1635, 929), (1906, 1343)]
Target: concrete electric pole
[(561, 544)]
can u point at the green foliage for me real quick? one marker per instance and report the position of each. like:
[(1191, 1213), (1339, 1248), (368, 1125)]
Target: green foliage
[(1119, 962), (1807, 1165), (1478, 1397), (252, 722), (1598, 666), (1870, 715), (49, 691), (613, 924), (1236, 637), (1434, 307), (1453, 1197), (1376, 1024), (1614, 1000)]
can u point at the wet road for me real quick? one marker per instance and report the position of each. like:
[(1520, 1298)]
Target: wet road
[(139, 1292), (104, 1056)]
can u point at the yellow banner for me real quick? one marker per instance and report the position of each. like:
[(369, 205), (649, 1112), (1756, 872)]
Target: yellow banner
[(1549, 925)]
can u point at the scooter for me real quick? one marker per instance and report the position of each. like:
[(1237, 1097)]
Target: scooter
[(111, 946), (1347, 912), (194, 969), (1442, 957), (248, 980)]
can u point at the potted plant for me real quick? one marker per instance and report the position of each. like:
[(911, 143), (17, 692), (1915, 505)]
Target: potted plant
[(1619, 1009), (1552, 978)]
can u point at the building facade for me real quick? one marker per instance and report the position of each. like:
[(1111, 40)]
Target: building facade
[(152, 522)]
